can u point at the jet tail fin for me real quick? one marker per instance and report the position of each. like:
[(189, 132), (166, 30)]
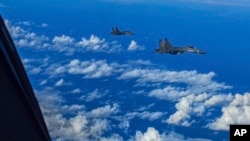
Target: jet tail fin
[(167, 44), (161, 48), (116, 28)]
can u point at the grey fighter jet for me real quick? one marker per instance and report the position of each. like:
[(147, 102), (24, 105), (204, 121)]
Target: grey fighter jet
[(166, 47), (116, 31)]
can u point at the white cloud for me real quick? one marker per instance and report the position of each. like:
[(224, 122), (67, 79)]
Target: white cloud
[(153, 135), (194, 98), (187, 77), (35, 66), (89, 69), (145, 115), (195, 82), (143, 108), (218, 99), (72, 108), (105, 111), (169, 93), (182, 113), (237, 112), (140, 62), (96, 94), (124, 125), (25, 38), (198, 93), (114, 137), (63, 40), (134, 46), (81, 124), (35, 70), (43, 82), (75, 91), (26, 23), (30, 39), (150, 135), (63, 43), (59, 83), (195, 105), (44, 25), (96, 44)]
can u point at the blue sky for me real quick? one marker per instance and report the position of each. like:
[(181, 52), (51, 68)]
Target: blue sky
[(95, 86)]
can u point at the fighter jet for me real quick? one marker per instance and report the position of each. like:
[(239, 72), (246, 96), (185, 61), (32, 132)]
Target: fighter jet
[(116, 31), (168, 48)]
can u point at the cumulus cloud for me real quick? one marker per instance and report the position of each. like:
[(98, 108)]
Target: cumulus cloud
[(197, 92), (194, 97), (44, 25), (89, 69), (26, 23), (196, 81), (134, 46), (218, 99), (143, 108), (236, 112), (43, 82), (75, 91), (25, 38), (86, 125), (96, 44), (153, 135), (145, 115), (34, 66), (169, 93), (34, 70), (140, 62), (96, 94), (59, 83), (62, 43), (105, 111), (193, 92), (182, 114), (30, 39), (63, 40), (149, 135), (81, 124)]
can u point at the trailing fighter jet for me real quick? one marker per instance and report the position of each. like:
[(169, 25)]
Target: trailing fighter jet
[(168, 48), (116, 31)]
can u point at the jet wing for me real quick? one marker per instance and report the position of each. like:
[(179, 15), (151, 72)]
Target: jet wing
[(167, 44)]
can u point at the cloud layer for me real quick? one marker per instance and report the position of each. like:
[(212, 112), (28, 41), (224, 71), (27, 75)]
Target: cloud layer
[(193, 94)]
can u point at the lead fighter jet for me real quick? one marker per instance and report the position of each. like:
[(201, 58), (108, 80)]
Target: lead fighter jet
[(168, 48), (116, 31)]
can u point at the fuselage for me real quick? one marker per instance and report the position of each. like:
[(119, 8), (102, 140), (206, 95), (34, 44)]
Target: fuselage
[(180, 50), (122, 33)]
